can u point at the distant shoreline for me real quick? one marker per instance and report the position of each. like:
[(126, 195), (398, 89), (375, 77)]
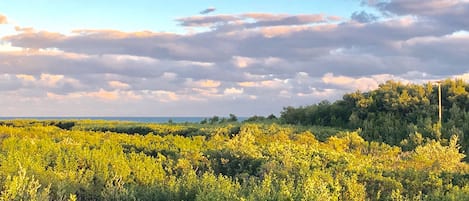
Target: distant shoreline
[(134, 119)]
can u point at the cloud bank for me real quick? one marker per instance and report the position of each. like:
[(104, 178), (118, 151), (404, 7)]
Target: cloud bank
[(247, 63)]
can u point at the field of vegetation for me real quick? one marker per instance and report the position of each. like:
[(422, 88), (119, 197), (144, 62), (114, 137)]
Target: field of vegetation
[(98, 160), (359, 148)]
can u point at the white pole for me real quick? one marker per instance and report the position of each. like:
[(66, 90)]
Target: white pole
[(439, 102)]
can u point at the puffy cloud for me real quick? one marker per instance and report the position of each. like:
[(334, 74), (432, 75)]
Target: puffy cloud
[(242, 62), (233, 91), (36, 40), (322, 93), (3, 19), (163, 96), (26, 77), (206, 83), (51, 80), (169, 76), (451, 14), (118, 85), (103, 94), (24, 29), (247, 84), (362, 83), (263, 60), (464, 76), (428, 7)]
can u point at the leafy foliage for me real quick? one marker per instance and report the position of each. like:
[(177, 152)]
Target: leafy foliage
[(395, 113), (42, 161)]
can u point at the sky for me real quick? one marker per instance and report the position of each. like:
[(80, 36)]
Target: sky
[(211, 57)]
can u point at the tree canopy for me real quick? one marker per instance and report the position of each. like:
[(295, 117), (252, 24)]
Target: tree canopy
[(394, 113)]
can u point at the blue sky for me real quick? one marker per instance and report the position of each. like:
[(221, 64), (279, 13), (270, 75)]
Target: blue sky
[(164, 58)]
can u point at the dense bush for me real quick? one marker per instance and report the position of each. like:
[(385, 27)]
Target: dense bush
[(395, 113), (40, 161)]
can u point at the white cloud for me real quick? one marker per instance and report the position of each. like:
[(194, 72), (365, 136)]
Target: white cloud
[(104, 95), (242, 62), (169, 76), (263, 60), (51, 80), (205, 83), (3, 19), (26, 77), (118, 85), (361, 83), (464, 77), (324, 94), (163, 96), (233, 91), (273, 84)]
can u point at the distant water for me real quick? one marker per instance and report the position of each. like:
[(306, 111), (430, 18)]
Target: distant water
[(134, 119)]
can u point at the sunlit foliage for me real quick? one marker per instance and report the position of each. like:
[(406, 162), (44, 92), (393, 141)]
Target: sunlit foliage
[(395, 113), (100, 160)]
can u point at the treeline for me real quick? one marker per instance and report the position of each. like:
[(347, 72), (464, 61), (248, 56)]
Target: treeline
[(395, 113), (220, 120), (233, 119), (258, 162)]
